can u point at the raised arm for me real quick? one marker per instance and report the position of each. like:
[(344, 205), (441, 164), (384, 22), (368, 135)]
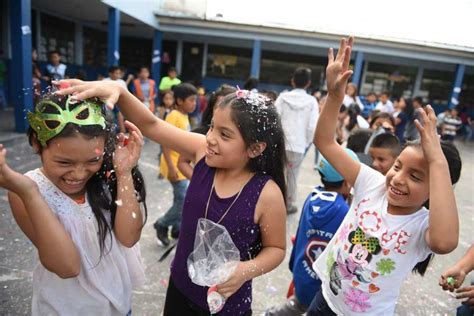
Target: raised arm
[(190, 144), (337, 74), (443, 231), (56, 250)]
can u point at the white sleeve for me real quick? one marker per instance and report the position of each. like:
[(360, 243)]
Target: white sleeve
[(368, 181), (313, 120)]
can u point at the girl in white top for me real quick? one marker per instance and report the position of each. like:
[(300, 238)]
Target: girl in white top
[(387, 231), (80, 209)]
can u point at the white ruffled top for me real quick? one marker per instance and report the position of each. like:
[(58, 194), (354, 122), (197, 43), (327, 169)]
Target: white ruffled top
[(104, 285)]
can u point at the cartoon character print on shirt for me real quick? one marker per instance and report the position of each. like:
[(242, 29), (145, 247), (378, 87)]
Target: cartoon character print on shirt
[(360, 254)]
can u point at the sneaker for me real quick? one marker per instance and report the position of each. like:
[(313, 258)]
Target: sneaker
[(174, 233), (291, 210), (162, 234)]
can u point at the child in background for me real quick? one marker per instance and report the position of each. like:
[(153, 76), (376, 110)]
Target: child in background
[(166, 105), (452, 279), (387, 231), (185, 98), (238, 181), (451, 125), (384, 150), (323, 212), (145, 89), (80, 209), (384, 105)]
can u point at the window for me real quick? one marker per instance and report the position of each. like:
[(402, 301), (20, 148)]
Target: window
[(278, 67), (436, 86), (398, 80), (135, 52), (228, 62), (56, 35), (95, 47)]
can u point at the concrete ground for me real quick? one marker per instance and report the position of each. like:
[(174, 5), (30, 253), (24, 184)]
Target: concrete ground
[(419, 296)]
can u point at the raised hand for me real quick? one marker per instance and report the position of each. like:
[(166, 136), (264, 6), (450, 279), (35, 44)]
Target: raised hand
[(337, 71), (107, 90), (428, 134), (12, 180), (128, 150)]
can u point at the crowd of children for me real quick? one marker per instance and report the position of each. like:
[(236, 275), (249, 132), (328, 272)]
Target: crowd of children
[(359, 235)]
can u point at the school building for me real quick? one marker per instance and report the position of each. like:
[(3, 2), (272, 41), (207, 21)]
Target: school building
[(92, 35)]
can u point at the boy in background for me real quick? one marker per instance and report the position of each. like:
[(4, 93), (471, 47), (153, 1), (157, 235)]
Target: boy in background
[(185, 98), (144, 88), (322, 214), (383, 150)]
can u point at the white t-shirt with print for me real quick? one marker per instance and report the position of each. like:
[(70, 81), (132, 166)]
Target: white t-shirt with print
[(372, 252)]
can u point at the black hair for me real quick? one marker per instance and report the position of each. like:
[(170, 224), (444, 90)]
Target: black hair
[(222, 91), (301, 77), (172, 69), (183, 90), (143, 67), (453, 158), (330, 185), (358, 139), (113, 68), (409, 110), (258, 121), (251, 83), (387, 93), (101, 188), (418, 100), (382, 115), (53, 52), (387, 141), (353, 112)]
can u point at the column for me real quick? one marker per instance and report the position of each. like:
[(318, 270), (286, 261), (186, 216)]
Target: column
[(156, 56), (454, 99), (113, 41), (256, 55), (358, 66), (20, 13), (418, 80), (179, 57), (78, 44)]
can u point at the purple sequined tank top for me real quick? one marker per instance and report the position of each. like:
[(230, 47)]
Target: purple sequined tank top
[(239, 222)]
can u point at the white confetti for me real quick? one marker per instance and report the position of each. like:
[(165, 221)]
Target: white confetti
[(119, 202)]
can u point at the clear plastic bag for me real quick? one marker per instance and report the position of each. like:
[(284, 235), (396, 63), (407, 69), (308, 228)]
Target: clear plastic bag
[(215, 256)]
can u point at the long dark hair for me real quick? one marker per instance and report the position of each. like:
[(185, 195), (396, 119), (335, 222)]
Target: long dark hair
[(102, 187), (258, 121), (222, 91), (353, 112), (453, 158)]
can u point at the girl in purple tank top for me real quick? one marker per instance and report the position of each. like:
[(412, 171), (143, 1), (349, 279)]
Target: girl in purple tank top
[(238, 182)]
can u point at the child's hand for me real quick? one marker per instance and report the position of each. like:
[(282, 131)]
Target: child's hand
[(107, 90), (429, 137), (11, 180), (235, 282), (466, 292), (455, 274), (128, 151), (173, 174), (337, 71)]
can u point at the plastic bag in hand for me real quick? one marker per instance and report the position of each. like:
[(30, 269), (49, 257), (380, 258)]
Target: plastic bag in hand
[(215, 256)]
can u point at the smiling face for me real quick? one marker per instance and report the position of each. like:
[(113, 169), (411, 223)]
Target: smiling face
[(225, 146), (407, 182), (69, 162)]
